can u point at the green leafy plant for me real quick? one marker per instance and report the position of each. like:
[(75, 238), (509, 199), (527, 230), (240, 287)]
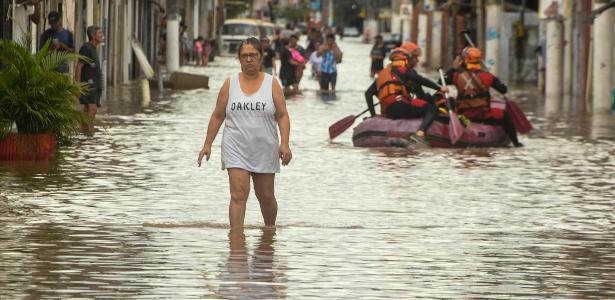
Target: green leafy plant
[(33, 95), (237, 8), (296, 13)]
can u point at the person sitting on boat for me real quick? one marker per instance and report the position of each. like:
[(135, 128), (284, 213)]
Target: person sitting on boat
[(473, 97), (399, 89)]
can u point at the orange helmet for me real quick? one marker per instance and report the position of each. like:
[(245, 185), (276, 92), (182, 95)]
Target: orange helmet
[(399, 57), (413, 52), (471, 57), (412, 49)]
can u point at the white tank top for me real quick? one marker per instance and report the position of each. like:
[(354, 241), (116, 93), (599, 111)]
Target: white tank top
[(250, 137)]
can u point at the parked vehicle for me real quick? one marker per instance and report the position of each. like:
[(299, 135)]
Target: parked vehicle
[(391, 40), (236, 30), (351, 31), (266, 30)]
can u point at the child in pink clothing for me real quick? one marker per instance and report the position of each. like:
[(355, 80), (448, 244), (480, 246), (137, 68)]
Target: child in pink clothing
[(198, 49)]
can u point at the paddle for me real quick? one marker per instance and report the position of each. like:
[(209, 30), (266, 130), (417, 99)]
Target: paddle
[(455, 129), (522, 124), (340, 126)]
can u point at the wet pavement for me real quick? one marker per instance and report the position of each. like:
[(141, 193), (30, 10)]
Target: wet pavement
[(126, 214)]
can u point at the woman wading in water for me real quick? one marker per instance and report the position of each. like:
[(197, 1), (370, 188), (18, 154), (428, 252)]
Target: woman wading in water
[(252, 104)]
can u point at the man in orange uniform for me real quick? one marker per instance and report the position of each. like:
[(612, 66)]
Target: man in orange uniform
[(399, 89), (473, 97)]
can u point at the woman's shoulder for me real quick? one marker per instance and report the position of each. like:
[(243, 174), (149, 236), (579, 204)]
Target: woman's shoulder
[(229, 79)]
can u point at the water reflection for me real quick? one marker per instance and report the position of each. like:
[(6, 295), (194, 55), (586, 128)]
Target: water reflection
[(328, 96), (602, 126), (478, 158), (553, 105), (50, 260), (252, 276)]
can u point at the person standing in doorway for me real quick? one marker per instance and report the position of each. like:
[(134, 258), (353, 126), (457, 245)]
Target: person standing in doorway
[(185, 47), (61, 39), (331, 56), (252, 104), (88, 70)]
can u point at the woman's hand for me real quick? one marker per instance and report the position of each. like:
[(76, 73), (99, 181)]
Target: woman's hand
[(206, 151), (285, 154)]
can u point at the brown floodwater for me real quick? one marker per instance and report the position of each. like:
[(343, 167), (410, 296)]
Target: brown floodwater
[(126, 214)]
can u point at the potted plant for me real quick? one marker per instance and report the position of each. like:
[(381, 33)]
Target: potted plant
[(37, 99)]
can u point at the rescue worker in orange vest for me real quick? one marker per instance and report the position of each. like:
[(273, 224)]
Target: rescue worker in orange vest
[(399, 89), (473, 97)]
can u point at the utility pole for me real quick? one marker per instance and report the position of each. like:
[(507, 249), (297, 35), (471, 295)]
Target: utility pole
[(554, 68), (436, 35), (602, 64), (414, 34), (396, 17), (405, 14), (370, 26), (492, 47), (172, 47), (89, 14), (331, 12), (422, 28), (324, 8), (480, 24), (568, 13)]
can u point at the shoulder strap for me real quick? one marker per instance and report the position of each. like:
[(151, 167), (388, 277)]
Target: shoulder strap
[(402, 78), (478, 82), (403, 81)]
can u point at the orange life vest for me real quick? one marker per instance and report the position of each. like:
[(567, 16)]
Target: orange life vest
[(472, 89), (391, 88)]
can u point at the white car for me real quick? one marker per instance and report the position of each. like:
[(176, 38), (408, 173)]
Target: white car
[(234, 31), (351, 31)]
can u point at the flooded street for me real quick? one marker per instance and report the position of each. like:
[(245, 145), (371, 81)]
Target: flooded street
[(126, 214)]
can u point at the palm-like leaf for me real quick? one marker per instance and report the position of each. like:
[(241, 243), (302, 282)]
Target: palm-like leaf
[(34, 95)]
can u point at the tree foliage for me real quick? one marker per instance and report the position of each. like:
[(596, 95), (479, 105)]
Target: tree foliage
[(237, 8)]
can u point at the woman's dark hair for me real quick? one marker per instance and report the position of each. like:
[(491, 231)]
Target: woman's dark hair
[(251, 41)]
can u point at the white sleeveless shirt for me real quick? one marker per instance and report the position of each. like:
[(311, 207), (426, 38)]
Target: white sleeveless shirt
[(250, 137)]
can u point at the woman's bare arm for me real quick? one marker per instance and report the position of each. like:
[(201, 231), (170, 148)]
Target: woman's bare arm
[(217, 117), (283, 119)]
